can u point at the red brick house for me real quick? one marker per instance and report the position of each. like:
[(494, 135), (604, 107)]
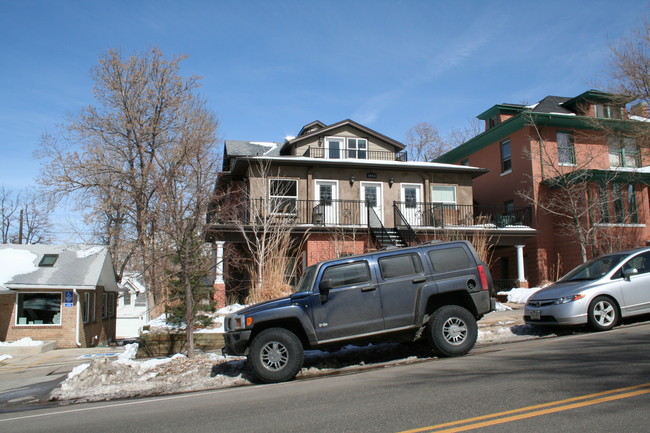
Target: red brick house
[(62, 293), (537, 153), (346, 189)]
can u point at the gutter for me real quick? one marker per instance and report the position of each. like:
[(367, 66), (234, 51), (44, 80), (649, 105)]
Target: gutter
[(78, 327)]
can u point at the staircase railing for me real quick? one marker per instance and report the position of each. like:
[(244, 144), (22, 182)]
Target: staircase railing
[(403, 227), (376, 227)]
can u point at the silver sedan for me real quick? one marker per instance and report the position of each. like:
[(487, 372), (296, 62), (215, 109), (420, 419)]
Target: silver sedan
[(599, 292)]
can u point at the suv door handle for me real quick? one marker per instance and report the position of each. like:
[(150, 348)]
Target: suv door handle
[(368, 288), (418, 280)]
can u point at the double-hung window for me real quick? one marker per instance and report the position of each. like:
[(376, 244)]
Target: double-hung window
[(565, 149), (623, 152), (506, 159), (283, 196)]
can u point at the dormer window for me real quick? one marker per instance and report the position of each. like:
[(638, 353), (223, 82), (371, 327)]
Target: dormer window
[(605, 111), (346, 148)]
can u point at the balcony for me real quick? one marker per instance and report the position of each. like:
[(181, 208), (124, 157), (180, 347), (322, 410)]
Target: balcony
[(350, 153), (355, 213)]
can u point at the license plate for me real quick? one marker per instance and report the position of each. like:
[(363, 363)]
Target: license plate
[(535, 315)]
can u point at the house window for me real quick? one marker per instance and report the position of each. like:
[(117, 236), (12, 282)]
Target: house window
[(38, 309), (141, 300), (506, 161), (608, 111), (509, 207), (357, 148), (631, 205), (108, 308), (283, 194), (565, 148), (443, 194), (603, 199), (350, 148), (48, 260), (89, 307), (623, 152), (127, 297), (619, 213)]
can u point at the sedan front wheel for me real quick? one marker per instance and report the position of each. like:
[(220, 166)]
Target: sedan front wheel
[(603, 314)]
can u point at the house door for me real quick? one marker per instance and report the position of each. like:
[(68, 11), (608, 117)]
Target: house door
[(327, 201), (371, 196), (411, 198)]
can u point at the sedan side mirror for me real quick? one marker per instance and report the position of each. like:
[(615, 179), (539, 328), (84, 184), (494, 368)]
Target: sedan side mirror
[(627, 273), (324, 289)]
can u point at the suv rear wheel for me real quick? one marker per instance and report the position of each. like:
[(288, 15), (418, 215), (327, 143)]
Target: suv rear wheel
[(276, 355), (452, 331)]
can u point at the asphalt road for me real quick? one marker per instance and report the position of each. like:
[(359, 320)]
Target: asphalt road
[(596, 382)]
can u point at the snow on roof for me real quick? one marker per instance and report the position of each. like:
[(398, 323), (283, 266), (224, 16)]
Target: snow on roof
[(76, 266), (14, 262)]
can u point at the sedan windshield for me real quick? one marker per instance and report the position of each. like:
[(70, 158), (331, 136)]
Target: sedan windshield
[(594, 268), (306, 281)]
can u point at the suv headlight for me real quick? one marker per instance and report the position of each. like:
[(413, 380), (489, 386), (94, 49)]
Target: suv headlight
[(238, 322), (567, 299)]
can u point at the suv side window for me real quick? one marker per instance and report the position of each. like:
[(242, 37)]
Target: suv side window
[(449, 259), (347, 274), (400, 265)]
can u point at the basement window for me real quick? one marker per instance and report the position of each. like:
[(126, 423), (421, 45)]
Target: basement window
[(48, 260)]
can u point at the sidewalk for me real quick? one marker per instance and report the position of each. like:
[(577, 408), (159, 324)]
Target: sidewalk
[(29, 378)]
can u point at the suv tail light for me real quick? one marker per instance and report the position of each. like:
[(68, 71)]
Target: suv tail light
[(483, 276)]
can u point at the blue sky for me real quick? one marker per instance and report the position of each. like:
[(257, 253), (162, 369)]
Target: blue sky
[(270, 67)]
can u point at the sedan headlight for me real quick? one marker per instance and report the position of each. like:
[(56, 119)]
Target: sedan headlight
[(567, 299)]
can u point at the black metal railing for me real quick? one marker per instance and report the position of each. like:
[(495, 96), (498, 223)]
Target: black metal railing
[(407, 215), (403, 227), (454, 215), (350, 153)]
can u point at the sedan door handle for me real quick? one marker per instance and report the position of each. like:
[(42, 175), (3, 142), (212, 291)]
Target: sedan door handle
[(368, 288), (418, 280)]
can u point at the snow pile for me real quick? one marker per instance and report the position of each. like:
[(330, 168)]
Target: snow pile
[(82, 254), (5, 357), (518, 295), (105, 379), (27, 341), (160, 324)]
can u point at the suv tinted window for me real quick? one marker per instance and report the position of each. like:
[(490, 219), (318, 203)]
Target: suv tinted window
[(347, 274), (449, 259), (399, 266)]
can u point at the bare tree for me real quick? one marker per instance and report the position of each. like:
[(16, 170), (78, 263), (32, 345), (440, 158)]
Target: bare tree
[(424, 143), (266, 228), (114, 157), (24, 219), (458, 136)]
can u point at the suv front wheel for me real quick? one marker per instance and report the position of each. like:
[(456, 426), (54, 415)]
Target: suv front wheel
[(452, 331), (276, 355)]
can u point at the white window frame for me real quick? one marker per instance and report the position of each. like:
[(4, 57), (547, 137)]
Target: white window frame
[(570, 146), (346, 150), (448, 188), (294, 198)]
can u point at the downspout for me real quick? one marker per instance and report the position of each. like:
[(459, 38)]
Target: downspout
[(78, 328)]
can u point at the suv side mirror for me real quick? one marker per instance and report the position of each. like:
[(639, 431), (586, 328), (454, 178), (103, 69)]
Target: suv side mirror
[(627, 273), (324, 289)]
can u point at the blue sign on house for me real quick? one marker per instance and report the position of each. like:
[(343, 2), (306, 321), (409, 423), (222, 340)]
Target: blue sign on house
[(68, 298)]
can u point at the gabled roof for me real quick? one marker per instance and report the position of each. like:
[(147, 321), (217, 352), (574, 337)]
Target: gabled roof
[(75, 267), (319, 128)]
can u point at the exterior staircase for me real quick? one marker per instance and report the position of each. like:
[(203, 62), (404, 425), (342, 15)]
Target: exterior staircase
[(387, 237)]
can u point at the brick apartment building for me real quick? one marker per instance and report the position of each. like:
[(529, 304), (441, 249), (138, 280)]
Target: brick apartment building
[(537, 154)]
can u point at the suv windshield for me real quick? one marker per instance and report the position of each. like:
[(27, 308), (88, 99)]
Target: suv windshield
[(594, 268), (305, 283)]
